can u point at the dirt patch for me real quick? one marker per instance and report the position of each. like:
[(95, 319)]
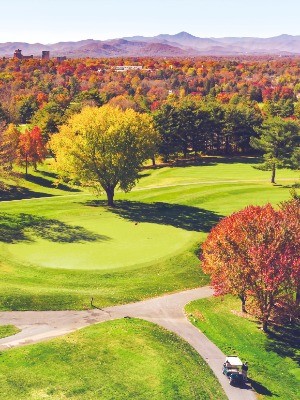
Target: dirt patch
[(241, 314), (197, 315)]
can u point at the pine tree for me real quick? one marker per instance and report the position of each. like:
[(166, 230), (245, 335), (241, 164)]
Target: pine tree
[(279, 141)]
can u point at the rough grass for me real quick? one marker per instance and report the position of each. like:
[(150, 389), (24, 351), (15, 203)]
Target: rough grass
[(273, 359), (8, 330), (58, 252), (123, 359)]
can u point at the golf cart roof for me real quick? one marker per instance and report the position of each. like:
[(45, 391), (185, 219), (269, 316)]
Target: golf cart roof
[(234, 361)]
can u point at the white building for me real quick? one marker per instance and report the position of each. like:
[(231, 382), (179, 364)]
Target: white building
[(122, 68)]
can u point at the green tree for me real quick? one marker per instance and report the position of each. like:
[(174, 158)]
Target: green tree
[(26, 108), (104, 148), (240, 122), (193, 121), (282, 108), (3, 114), (48, 118), (166, 122), (279, 141)]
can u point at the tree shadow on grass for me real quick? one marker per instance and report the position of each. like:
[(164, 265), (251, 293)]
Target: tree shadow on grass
[(214, 161), (39, 180), (18, 193), (284, 340), (26, 227), (177, 215)]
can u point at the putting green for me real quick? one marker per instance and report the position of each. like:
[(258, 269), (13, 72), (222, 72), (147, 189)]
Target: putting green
[(58, 252), (109, 242)]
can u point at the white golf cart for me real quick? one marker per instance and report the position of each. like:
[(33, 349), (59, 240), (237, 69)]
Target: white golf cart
[(232, 368)]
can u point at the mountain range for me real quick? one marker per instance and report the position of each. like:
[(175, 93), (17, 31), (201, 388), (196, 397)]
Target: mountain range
[(182, 44)]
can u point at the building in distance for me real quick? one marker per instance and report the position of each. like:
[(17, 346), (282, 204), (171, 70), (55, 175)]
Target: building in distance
[(18, 54), (122, 68), (45, 56)]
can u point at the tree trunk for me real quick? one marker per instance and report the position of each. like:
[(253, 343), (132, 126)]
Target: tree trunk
[(244, 305), (243, 300), (110, 196), (227, 145), (26, 166), (265, 325), (273, 173), (153, 160)]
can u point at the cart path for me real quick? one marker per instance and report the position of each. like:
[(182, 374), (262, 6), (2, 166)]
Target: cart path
[(166, 311)]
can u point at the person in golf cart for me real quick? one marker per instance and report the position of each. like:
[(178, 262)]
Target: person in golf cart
[(232, 368)]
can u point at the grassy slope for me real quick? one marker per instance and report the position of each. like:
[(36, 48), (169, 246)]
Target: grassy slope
[(273, 368), (155, 256), (134, 360)]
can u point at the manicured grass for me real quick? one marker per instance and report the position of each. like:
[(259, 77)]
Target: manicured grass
[(8, 330), (123, 359), (36, 288), (60, 251), (215, 169), (273, 368), (69, 233)]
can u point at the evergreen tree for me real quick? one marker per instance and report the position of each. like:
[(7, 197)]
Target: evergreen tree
[(279, 141)]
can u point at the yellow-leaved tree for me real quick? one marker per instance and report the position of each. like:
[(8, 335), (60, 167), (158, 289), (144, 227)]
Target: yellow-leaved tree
[(104, 148)]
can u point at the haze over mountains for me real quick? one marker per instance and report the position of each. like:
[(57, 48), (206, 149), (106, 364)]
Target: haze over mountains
[(182, 44)]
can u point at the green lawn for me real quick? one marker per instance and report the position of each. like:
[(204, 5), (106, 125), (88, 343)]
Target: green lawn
[(273, 367), (123, 359), (59, 251), (8, 330)]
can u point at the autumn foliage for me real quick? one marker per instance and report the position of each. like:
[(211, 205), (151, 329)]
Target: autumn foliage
[(104, 148), (32, 149), (255, 254)]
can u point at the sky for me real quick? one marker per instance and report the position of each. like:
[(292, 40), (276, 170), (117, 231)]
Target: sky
[(51, 21)]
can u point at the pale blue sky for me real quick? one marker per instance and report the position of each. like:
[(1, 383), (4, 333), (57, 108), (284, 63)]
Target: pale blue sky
[(49, 21)]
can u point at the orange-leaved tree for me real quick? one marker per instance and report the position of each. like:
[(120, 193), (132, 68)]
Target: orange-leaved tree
[(252, 254), (32, 149)]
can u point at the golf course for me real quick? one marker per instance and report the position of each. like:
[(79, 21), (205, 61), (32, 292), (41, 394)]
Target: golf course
[(64, 248)]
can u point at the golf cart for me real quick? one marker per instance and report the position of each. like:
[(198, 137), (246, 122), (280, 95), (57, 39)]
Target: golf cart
[(232, 368)]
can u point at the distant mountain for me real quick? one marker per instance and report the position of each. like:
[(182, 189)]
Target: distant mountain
[(182, 44)]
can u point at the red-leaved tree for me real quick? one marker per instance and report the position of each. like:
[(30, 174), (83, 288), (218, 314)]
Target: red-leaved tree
[(291, 211), (32, 149), (252, 254)]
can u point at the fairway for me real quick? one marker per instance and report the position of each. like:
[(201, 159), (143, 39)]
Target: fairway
[(59, 251), (123, 359)]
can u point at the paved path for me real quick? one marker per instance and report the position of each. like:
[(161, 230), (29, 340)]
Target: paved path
[(166, 311)]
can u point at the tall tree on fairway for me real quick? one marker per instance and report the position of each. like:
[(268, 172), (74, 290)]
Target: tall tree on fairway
[(279, 140), (104, 148)]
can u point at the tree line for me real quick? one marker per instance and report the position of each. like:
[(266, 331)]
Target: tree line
[(178, 129), (45, 92), (206, 126)]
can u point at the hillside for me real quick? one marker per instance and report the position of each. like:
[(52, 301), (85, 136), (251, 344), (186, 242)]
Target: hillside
[(182, 44)]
